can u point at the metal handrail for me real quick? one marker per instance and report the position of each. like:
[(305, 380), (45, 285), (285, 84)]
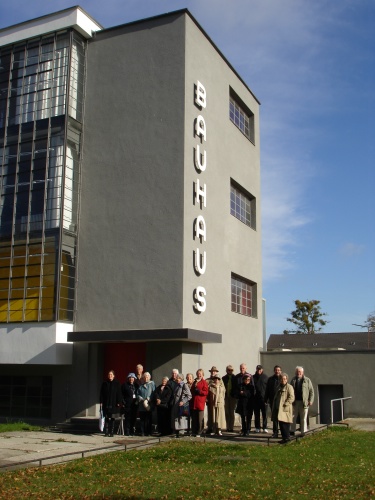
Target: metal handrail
[(342, 407)]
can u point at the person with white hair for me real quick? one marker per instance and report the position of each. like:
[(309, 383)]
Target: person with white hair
[(145, 403), (162, 397), (282, 407), (180, 408), (304, 398)]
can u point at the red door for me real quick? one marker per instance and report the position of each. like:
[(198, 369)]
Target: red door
[(123, 358)]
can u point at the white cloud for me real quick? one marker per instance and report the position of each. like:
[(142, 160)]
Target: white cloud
[(348, 250)]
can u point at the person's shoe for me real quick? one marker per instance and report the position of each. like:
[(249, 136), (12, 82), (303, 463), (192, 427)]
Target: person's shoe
[(247, 433), (275, 435), (291, 433), (257, 431), (219, 433), (265, 430)]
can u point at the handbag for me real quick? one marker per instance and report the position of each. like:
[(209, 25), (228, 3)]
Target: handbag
[(101, 420), (184, 410)]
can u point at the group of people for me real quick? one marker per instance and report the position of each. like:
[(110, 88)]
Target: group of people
[(180, 403)]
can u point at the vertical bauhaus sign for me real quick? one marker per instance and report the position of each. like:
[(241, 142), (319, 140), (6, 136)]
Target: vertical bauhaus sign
[(200, 194)]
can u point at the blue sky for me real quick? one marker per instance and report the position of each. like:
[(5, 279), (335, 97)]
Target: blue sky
[(312, 66)]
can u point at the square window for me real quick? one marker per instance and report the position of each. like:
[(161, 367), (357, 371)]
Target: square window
[(243, 296), (241, 116), (242, 205)]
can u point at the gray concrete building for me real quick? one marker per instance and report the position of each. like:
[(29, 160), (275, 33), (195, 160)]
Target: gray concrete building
[(130, 208)]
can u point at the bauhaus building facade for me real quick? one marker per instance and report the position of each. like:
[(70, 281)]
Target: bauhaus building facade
[(130, 208)]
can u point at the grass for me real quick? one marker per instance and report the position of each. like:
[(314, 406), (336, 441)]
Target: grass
[(18, 426), (334, 464)]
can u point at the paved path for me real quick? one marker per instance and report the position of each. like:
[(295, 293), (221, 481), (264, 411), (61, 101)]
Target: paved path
[(46, 448)]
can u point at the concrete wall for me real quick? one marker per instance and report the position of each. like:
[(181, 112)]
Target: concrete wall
[(35, 344), (131, 232), (231, 246), (136, 242), (354, 370)]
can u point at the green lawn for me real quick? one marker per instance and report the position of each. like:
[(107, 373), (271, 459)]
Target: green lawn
[(337, 463), (18, 426)]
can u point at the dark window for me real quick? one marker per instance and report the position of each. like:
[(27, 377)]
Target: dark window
[(242, 205), (241, 115), (244, 296)]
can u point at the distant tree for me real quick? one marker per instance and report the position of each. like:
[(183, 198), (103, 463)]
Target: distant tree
[(307, 317), (370, 322)]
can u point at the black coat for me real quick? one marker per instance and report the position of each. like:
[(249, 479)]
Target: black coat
[(128, 393), (234, 385), (111, 396), (245, 400), (272, 384), (260, 382), (164, 395)]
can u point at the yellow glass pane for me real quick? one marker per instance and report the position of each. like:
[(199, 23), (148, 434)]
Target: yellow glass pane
[(31, 315), (4, 261), (5, 250), (32, 293), (16, 294), (33, 270), (33, 281), (15, 316), (35, 259), (4, 273), (19, 252), (19, 261), (16, 305), (46, 315), (17, 282), (48, 269), (18, 271)]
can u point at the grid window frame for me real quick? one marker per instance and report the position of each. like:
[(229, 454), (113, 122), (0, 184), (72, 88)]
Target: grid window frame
[(242, 205), (243, 296), (241, 116)]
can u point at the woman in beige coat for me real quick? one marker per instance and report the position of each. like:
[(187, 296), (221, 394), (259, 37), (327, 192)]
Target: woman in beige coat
[(282, 408), (215, 404)]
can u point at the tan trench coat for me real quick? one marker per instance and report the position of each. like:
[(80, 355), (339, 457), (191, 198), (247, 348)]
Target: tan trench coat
[(282, 408), (215, 406)]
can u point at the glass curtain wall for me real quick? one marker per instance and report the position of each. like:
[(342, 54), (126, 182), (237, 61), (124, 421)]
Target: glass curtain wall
[(41, 102)]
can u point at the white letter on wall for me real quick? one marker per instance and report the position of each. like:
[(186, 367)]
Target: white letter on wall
[(200, 127), (200, 96), (200, 159), (200, 261), (200, 301), (200, 228), (200, 193)]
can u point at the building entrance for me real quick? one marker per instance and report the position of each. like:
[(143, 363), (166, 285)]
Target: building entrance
[(326, 394)]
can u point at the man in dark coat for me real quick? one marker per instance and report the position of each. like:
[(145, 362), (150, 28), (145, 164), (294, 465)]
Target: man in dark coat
[(260, 382), (272, 384), (110, 401), (230, 384)]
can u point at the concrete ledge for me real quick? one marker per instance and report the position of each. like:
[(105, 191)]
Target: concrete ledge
[(175, 334)]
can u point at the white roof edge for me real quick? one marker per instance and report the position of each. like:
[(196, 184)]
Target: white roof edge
[(74, 17)]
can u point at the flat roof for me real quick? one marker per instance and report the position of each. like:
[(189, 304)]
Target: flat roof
[(73, 17)]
